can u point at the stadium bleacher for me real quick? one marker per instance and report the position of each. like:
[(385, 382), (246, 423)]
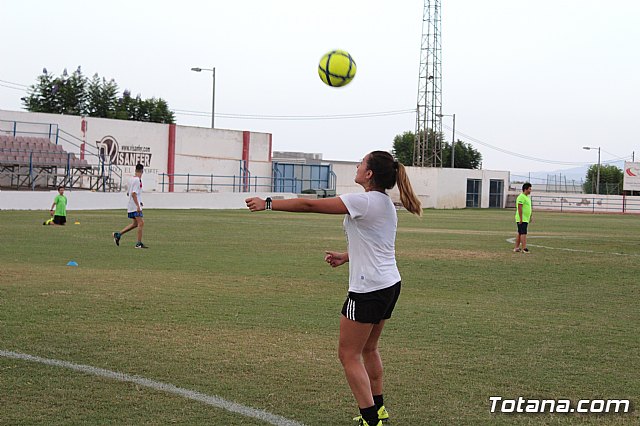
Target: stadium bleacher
[(36, 163), (23, 151)]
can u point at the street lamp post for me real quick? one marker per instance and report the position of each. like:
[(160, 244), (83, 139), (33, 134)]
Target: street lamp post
[(598, 177), (213, 93), (453, 138)]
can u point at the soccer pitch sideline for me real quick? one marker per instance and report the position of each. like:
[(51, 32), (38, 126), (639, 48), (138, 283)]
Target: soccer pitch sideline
[(240, 306)]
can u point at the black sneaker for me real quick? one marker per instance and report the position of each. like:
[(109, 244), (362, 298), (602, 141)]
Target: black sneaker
[(116, 238), (140, 245), (525, 251)]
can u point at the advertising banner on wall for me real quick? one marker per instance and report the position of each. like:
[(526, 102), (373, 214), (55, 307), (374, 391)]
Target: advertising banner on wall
[(124, 155), (631, 180)]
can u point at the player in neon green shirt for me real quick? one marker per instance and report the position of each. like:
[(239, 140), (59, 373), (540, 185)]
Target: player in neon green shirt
[(59, 208), (523, 217)]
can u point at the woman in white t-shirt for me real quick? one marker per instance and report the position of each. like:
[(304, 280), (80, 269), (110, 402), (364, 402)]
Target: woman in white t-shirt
[(374, 281)]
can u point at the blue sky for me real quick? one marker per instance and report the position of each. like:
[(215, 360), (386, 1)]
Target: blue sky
[(537, 78)]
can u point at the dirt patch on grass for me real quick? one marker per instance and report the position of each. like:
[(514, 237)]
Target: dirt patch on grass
[(57, 292), (448, 231), (448, 254)]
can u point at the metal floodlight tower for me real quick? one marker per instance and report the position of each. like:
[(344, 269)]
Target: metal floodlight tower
[(427, 150)]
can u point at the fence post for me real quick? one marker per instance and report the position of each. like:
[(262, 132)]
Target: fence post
[(593, 208), (188, 179), (163, 182), (104, 183), (15, 125), (33, 184), (212, 182), (104, 189), (561, 203)]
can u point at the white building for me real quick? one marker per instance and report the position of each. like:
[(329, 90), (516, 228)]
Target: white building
[(191, 159)]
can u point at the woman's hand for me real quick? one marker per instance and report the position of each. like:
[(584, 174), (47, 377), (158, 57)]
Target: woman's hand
[(255, 204), (335, 258)]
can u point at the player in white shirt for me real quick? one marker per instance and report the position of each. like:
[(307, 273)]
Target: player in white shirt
[(134, 208), (374, 281)]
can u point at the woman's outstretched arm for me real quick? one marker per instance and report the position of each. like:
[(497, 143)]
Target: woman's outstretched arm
[(332, 205)]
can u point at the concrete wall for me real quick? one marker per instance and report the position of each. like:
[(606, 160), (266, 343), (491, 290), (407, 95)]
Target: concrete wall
[(583, 203), (452, 186), (440, 188), (345, 174), (219, 152), (85, 200), (197, 150)]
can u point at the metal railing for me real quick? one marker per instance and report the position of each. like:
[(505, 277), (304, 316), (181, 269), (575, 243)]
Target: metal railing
[(234, 183), (606, 188), (108, 175), (561, 184), (14, 169), (587, 203), (49, 130), (552, 183)]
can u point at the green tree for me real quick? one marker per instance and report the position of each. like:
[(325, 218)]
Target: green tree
[(403, 147), (41, 95), (61, 95), (159, 111), (138, 109), (71, 93), (126, 108), (77, 95), (466, 156), (102, 97), (611, 178)]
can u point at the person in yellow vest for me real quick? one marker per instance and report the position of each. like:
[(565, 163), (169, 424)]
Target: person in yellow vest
[(58, 209), (523, 218)]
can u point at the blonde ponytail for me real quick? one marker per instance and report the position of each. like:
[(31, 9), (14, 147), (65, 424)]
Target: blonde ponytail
[(408, 198), (388, 173)]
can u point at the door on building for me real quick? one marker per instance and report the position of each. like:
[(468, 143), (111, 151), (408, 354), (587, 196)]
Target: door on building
[(474, 189), (496, 191)]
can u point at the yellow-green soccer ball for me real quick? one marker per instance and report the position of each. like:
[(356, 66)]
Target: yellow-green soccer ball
[(337, 68)]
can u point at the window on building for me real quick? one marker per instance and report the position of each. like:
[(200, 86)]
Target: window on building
[(299, 177), (496, 190), (474, 188)]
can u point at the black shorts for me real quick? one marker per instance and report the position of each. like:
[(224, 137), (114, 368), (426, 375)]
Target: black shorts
[(59, 220), (371, 308), (522, 228)]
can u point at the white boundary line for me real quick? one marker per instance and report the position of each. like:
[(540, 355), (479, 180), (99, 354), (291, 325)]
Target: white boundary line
[(513, 241), (212, 400)]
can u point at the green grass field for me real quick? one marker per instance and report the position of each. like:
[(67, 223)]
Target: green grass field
[(241, 305)]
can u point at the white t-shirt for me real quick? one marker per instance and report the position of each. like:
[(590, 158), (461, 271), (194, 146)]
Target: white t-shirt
[(135, 186), (371, 234)]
